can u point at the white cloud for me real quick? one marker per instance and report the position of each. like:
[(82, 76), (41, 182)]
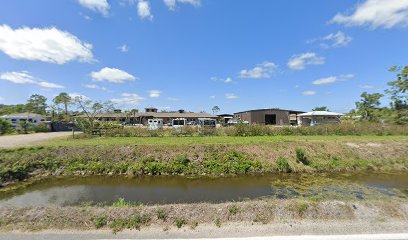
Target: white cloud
[(298, 62), (332, 79), (333, 40), (172, 4), (94, 86), (78, 96), (230, 96), (113, 75), (143, 9), (47, 44), (1, 98), (124, 48), (224, 80), (262, 70), (128, 98), (309, 93), (367, 86), (101, 6), (172, 99), (327, 80), (212, 97), (375, 14), (24, 77), (154, 93)]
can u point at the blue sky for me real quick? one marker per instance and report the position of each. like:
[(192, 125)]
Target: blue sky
[(192, 54)]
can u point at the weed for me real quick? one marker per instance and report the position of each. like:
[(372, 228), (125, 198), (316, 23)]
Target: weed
[(134, 222), (161, 214), (121, 202), (100, 222), (180, 222), (301, 157), (218, 222), (282, 165), (233, 210), (194, 225)]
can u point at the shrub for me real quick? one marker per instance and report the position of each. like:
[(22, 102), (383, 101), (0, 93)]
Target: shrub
[(180, 222), (5, 126), (134, 222), (218, 222), (100, 222), (282, 165), (233, 210), (40, 128), (301, 157), (161, 214)]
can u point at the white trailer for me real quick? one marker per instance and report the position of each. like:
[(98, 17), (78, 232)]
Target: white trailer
[(155, 123), (178, 122)]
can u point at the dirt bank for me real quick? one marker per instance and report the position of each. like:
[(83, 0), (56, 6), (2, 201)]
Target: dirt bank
[(190, 216)]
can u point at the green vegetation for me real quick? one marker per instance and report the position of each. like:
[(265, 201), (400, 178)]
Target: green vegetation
[(189, 156), (346, 128), (217, 140), (301, 156), (133, 222), (161, 214), (233, 210), (5, 126), (180, 222), (100, 222), (122, 203), (282, 165), (217, 222)]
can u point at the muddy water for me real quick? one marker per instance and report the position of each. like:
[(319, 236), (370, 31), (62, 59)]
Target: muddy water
[(172, 189)]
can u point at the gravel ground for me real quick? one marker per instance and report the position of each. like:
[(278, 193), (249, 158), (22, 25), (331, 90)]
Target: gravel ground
[(29, 139)]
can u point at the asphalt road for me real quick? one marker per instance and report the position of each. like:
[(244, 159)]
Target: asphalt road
[(29, 139)]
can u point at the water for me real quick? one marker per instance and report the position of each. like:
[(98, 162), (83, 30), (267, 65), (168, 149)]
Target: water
[(177, 189)]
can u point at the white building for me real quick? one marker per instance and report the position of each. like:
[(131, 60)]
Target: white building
[(16, 118), (318, 118)]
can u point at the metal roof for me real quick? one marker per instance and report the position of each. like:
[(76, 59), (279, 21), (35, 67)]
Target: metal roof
[(273, 109), (319, 113)]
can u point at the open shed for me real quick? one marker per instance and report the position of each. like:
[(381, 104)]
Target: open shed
[(315, 118)]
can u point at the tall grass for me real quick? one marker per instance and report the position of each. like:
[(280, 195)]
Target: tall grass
[(342, 129)]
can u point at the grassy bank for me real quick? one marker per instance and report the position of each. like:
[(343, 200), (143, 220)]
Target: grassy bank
[(204, 155), (126, 216), (171, 140)]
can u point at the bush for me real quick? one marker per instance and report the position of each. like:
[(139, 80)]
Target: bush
[(100, 222), (233, 210), (180, 222), (161, 214), (282, 165), (5, 126), (301, 157), (40, 128)]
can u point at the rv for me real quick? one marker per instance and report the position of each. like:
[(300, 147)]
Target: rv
[(155, 123), (179, 122), (207, 122)]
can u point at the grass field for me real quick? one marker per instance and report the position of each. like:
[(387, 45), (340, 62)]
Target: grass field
[(216, 140)]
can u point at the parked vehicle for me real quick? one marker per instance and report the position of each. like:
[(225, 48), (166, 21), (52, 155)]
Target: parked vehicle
[(179, 122), (207, 122), (155, 123)]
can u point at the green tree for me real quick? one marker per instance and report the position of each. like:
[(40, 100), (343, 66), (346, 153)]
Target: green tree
[(91, 113), (65, 99), (399, 95), (320, 109), (5, 126), (215, 110), (368, 106), (37, 104)]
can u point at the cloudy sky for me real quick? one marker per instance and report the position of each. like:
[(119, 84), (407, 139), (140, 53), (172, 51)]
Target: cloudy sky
[(194, 54)]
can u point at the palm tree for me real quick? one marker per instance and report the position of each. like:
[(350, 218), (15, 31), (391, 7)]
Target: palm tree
[(63, 98), (215, 110)]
